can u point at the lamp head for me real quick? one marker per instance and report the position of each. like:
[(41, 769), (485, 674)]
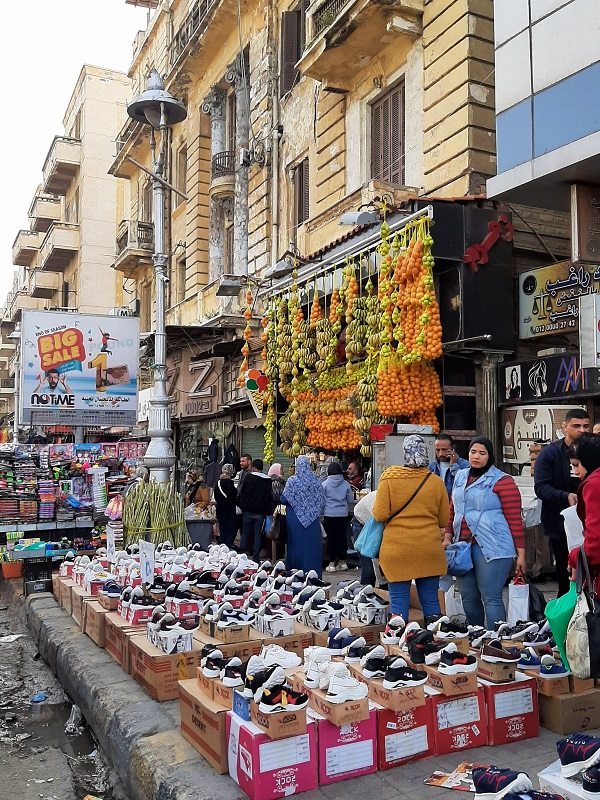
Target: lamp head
[(229, 286), (155, 105), (281, 269), (360, 218)]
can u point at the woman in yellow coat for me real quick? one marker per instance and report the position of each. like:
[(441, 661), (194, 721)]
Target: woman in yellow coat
[(416, 504)]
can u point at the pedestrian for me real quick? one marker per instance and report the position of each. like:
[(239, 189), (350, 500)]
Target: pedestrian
[(557, 489), (255, 498), (192, 484), (279, 513), (596, 428), (245, 469), (363, 512), (486, 511), (413, 504), (225, 501), (355, 475), (447, 461), (587, 449), (339, 500), (277, 482), (303, 498)]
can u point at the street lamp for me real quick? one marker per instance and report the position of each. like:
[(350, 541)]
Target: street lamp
[(159, 109)]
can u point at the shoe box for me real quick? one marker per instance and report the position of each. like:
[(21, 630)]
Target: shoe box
[(404, 736), (380, 615), (108, 603), (550, 686), (93, 617), (174, 642), (463, 683), (66, 569), (279, 724), (497, 672), (394, 699), (459, 723), (117, 633), (462, 645), (267, 769), (512, 710), (203, 724), (229, 635), (92, 587), (78, 597), (138, 615), (274, 627), (244, 649), (158, 672), (552, 781), (581, 684), (323, 622), (182, 609), (236, 602), (345, 751), (66, 584), (56, 586), (345, 713), (568, 713)]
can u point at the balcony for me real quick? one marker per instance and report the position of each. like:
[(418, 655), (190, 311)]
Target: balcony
[(60, 245), (44, 284), (150, 4), (135, 245), (195, 22), (61, 165), (43, 211), (23, 302), (222, 178), (344, 35), (25, 248), (7, 386)]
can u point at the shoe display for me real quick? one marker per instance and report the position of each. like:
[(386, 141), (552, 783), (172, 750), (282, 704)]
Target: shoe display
[(482, 636), (312, 579), (347, 594), (577, 752), (339, 639), (433, 623), (422, 649), (453, 662), (492, 783), (275, 654), (374, 663), (317, 669), (409, 630), (355, 650), (529, 659), (393, 630), (295, 701), (521, 630), (537, 640), (256, 679), (342, 688), (232, 672), (450, 631), (493, 652), (590, 780), (550, 668), (211, 668), (399, 675)]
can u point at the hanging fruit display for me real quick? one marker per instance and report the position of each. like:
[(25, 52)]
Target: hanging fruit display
[(247, 336)]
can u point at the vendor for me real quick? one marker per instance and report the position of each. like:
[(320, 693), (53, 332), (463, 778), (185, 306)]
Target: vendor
[(193, 490)]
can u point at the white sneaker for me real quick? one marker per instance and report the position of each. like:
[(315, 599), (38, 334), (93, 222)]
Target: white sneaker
[(344, 687), (341, 566), (331, 567), (412, 626), (275, 654), (326, 672)]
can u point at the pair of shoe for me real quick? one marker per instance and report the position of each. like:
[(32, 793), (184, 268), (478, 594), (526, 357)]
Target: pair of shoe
[(336, 566), (446, 629), (580, 753), (214, 665), (393, 630), (269, 687), (225, 615), (394, 670), (334, 676)]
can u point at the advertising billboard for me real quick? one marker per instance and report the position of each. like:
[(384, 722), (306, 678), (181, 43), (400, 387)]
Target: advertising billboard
[(79, 369)]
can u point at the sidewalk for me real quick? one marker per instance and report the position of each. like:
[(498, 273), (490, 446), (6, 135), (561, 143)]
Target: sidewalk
[(141, 737)]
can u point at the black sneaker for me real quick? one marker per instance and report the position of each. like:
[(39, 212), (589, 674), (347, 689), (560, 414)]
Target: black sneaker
[(399, 675), (312, 579), (253, 685), (492, 783), (232, 672), (205, 580), (421, 647), (449, 631), (590, 779), (212, 664), (374, 663), (453, 662)]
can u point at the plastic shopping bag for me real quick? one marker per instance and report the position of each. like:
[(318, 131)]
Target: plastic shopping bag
[(454, 605), (573, 527), (518, 600), (558, 613)]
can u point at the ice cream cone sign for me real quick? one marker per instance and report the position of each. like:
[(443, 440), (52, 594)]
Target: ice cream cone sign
[(256, 383)]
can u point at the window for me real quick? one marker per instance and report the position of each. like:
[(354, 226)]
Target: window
[(72, 209), (146, 206), (230, 121), (228, 251), (293, 37), (181, 279), (387, 137), (180, 175), (75, 132), (301, 193), (64, 303)]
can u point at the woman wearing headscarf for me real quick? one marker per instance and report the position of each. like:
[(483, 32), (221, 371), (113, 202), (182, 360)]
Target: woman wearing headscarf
[(413, 504), (339, 501), (486, 511), (304, 497), (225, 501), (587, 450), (276, 474)]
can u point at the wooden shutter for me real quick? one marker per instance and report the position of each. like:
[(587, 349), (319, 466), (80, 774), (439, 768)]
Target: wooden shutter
[(302, 192), (387, 137), (290, 36)]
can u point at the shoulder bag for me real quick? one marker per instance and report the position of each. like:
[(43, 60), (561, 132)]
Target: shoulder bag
[(583, 632), (458, 554), (369, 539)]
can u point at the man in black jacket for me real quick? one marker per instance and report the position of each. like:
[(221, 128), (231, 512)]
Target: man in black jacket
[(557, 489), (255, 498)]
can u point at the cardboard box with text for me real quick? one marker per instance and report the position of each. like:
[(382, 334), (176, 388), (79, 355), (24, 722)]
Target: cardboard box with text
[(204, 725)]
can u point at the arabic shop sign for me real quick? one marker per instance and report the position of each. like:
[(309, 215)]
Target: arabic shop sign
[(549, 298), (524, 425), (558, 377)]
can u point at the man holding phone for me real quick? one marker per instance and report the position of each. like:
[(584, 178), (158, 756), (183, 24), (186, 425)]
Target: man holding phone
[(447, 461)]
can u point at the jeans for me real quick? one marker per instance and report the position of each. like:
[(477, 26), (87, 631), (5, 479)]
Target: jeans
[(227, 526), (367, 573), (481, 589), (560, 551), (252, 525), (428, 596), (335, 528)]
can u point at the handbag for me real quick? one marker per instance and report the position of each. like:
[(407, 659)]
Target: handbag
[(272, 530), (458, 555), (583, 632), (368, 542)]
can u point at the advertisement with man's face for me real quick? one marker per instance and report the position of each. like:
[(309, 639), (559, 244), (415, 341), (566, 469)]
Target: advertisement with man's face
[(79, 368)]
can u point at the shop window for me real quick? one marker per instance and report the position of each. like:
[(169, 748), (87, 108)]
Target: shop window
[(387, 136), (293, 38), (180, 175), (301, 184)]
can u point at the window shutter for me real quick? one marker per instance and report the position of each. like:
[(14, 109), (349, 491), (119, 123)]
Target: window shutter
[(305, 189), (376, 144), (290, 34), (387, 137)]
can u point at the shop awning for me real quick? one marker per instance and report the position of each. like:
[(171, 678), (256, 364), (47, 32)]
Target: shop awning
[(253, 422)]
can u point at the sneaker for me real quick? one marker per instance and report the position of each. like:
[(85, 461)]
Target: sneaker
[(549, 668), (112, 589), (317, 669), (312, 579), (355, 650), (501, 628), (279, 570), (481, 637), (374, 663), (232, 673), (393, 630), (492, 783), (422, 649), (494, 653), (529, 659), (272, 699), (348, 593), (409, 631), (452, 662), (341, 566), (590, 779), (331, 567), (254, 667), (399, 675), (339, 639), (205, 580), (577, 752), (253, 685), (344, 687), (450, 631), (537, 640), (211, 668), (295, 701), (522, 629), (275, 654), (434, 622), (304, 595)]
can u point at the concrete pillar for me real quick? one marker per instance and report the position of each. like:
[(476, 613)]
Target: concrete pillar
[(487, 397), (238, 75), (214, 105)]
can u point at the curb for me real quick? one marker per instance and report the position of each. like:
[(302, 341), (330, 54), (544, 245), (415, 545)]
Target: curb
[(139, 736)]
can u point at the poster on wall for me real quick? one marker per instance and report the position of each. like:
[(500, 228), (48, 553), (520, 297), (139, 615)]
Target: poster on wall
[(559, 377), (523, 425), (549, 297), (79, 369)]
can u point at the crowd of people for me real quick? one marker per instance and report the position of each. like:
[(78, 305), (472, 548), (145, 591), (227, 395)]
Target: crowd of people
[(425, 507)]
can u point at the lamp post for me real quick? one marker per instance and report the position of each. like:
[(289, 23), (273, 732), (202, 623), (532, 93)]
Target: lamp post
[(159, 109)]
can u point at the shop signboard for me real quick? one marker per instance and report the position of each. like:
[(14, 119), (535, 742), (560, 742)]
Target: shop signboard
[(549, 297), (523, 425), (585, 223), (79, 369), (559, 377), (589, 330)]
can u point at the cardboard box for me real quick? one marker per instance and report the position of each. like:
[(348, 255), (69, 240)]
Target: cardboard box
[(266, 769), (223, 695), (56, 586), (581, 685), (241, 705), (159, 673), (459, 723), (346, 751), (172, 642), (108, 603), (462, 645), (512, 710), (552, 781), (66, 585), (206, 685), (496, 673), (93, 621), (451, 685), (550, 687), (232, 635), (78, 597), (395, 699), (338, 713), (273, 628), (137, 615), (281, 724), (117, 633), (204, 725), (183, 609), (404, 736), (243, 650), (568, 713)]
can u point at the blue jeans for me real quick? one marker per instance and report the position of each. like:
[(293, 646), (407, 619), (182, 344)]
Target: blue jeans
[(252, 524), (428, 596), (481, 589)]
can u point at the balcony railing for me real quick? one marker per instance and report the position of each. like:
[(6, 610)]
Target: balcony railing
[(223, 164), (194, 23), (326, 14), (135, 235), (43, 211)]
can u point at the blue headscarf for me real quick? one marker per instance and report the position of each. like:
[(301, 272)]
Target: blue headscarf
[(304, 493)]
